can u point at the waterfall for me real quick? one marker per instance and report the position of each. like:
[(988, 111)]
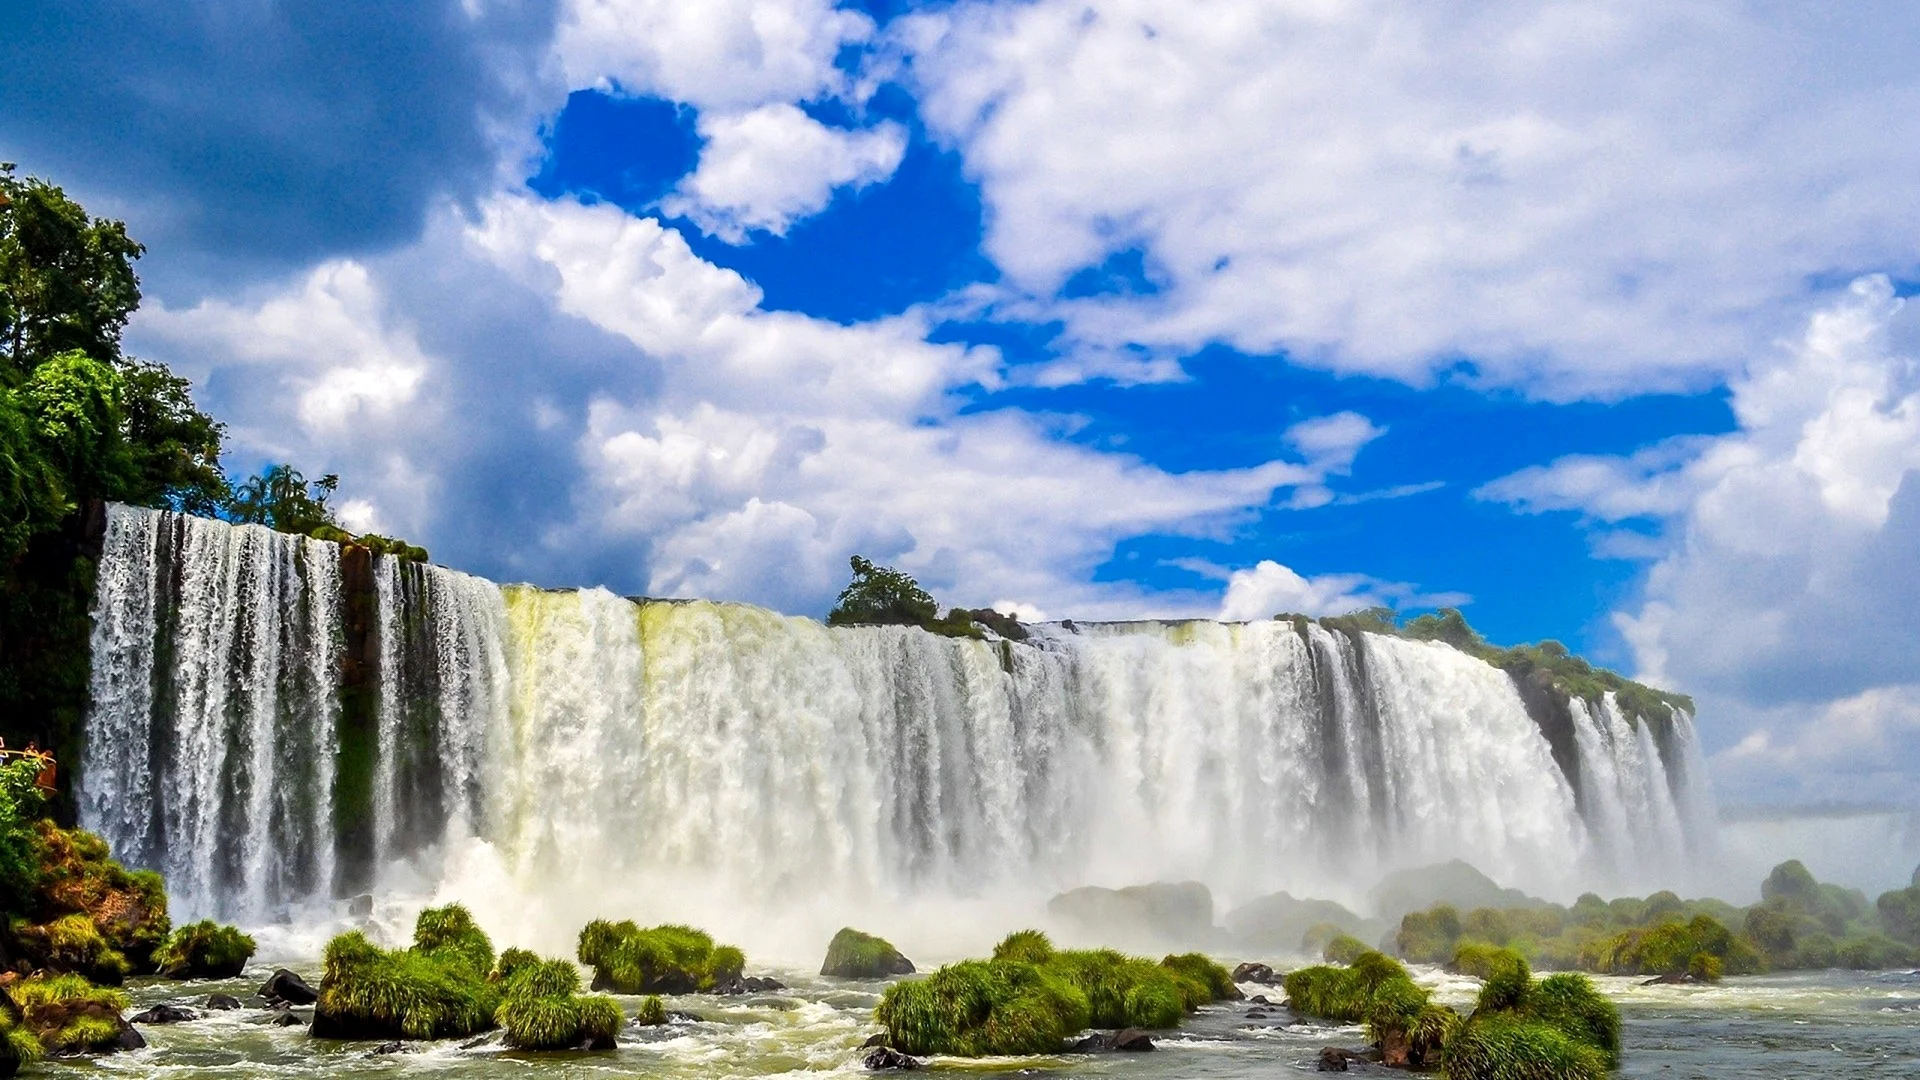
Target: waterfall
[(275, 722)]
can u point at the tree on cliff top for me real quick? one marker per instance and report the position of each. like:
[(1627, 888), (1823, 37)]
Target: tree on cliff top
[(881, 595)]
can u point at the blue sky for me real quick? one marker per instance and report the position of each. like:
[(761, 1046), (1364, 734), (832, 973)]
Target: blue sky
[(1587, 319)]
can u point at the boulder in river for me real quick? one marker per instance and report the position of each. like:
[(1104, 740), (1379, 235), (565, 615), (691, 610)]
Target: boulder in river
[(285, 987), (1255, 973), (856, 955), (165, 1014), (220, 1002), (888, 1058)]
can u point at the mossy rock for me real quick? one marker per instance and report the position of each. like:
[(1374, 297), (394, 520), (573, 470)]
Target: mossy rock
[(67, 1016), (543, 1009), (669, 959), (855, 955), (204, 950), (438, 989), (978, 1008), (78, 877), (72, 944)]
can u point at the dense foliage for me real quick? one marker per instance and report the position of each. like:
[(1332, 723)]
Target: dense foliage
[(543, 1009), (882, 596), (1029, 997), (440, 988), (670, 959), (204, 950), (1800, 924)]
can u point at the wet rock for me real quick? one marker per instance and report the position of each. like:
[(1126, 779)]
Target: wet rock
[(1132, 1040), (391, 1048), (748, 984), (1257, 1014), (878, 1038), (854, 955), (1092, 1044), (166, 1014), (289, 1018), (888, 1058), (360, 907), (1332, 1059), (475, 1043), (1678, 978), (1255, 973), (221, 1002), (1259, 999), (284, 986)]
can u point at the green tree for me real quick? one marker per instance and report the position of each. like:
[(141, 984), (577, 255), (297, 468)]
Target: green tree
[(31, 498), (20, 807), (66, 279), (282, 499), (881, 595)]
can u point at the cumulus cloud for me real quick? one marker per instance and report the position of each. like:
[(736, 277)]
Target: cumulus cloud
[(725, 55), (1580, 198), (1268, 588), (778, 443), (767, 168), (1782, 590)]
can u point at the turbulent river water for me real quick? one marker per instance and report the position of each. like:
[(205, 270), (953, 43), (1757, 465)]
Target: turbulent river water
[(1832, 1024)]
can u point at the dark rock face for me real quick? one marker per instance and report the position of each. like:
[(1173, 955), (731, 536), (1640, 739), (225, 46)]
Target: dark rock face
[(284, 986), (1129, 1040), (289, 1018), (888, 1058), (166, 1014), (218, 1002), (1332, 1059), (395, 1047), (1255, 973), (1132, 1041)]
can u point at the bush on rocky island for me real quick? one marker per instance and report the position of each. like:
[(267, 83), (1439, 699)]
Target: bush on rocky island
[(543, 1009), (1400, 1016), (1557, 1028), (1030, 996), (854, 955), (86, 913), (66, 1014), (437, 989), (204, 950), (668, 959)]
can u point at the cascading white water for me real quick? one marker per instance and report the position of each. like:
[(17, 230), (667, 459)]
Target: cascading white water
[(586, 741)]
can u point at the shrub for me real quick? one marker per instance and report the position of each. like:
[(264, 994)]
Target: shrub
[(1900, 911), (977, 1008), (1487, 924), (670, 959), (1428, 937), (440, 988), (1126, 991), (1344, 949), (544, 1010), (1478, 959), (653, 1012), (1706, 967), (1344, 993), (1028, 946), (1509, 1047), (1792, 882), (854, 955), (1569, 1002), (1213, 978), (204, 950)]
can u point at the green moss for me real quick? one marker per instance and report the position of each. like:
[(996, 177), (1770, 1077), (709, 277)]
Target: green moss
[(1344, 949), (1030, 946), (67, 1014), (978, 1008), (855, 955), (670, 959), (1509, 1047), (72, 943), (26, 1047), (543, 1009), (204, 950)]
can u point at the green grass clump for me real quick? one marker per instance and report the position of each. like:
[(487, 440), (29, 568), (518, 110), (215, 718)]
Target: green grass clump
[(1669, 949), (978, 1008), (437, 989), (1479, 959), (855, 955), (1126, 991), (1347, 993), (1510, 1047), (653, 1012), (1345, 949), (1213, 977), (543, 1008), (65, 1014), (670, 959), (204, 950), (1429, 937), (1030, 946), (73, 943), (1569, 1002)]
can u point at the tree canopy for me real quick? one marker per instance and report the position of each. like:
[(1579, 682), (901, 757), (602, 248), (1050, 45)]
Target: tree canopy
[(881, 595)]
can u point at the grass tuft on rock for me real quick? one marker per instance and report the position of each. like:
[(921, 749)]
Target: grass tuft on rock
[(670, 959), (653, 1012), (1344, 949), (1511, 1047), (543, 1008), (204, 950), (437, 989), (1027, 946), (981, 1008), (66, 1014)]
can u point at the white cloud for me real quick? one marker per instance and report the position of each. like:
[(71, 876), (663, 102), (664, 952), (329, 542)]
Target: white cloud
[(1579, 198), (1863, 748), (767, 168), (1782, 589), (777, 443), (1268, 589), (1332, 442), (714, 54)]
